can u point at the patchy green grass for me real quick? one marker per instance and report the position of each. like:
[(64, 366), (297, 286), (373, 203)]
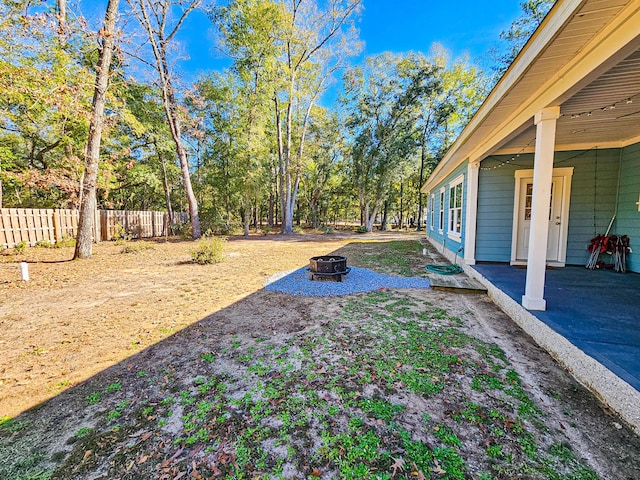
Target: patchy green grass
[(396, 257), (390, 389)]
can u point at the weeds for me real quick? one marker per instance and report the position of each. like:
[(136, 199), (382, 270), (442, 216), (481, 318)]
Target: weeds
[(20, 247), (136, 247), (208, 251), (93, 398), (208, 357), (336, 402)]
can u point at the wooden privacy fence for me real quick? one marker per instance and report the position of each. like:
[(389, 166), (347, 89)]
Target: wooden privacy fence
[(53, 225), (137, 224)]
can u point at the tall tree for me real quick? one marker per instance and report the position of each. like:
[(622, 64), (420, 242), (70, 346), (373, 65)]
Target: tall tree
[(249, 33), (44, 108), (326, 146), (384, 99), (155, 17), (521, 29), (317, 40), (84, 240), (289, 49), (446, 111)]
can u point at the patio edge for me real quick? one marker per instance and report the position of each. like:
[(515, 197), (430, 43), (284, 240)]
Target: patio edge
[(610, 389)]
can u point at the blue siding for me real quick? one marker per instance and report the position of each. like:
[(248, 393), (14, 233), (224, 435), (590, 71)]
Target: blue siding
[(628, 219), (593, 199), (443, 238), (496, 188)]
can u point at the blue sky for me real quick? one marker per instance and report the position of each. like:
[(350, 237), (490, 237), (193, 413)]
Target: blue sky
[(462, 26)]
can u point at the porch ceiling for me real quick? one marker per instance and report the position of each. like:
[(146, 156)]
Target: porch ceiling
[(584, 57), (605, 113)]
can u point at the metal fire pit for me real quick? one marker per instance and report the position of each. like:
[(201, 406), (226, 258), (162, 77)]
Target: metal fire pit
[(328, 266)]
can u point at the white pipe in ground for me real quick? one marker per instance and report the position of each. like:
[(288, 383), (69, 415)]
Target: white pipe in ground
[(24, 271)]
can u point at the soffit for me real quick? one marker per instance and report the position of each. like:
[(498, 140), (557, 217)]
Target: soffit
[(605, 113), (505, 120)]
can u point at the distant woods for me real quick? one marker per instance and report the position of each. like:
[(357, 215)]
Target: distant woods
[(295, 132)]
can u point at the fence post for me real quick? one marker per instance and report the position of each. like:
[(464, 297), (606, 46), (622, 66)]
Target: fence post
[(57, 226), (96, 226)]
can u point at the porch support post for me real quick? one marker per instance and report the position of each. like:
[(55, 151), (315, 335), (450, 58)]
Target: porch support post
[(472, 213), (545, 120)]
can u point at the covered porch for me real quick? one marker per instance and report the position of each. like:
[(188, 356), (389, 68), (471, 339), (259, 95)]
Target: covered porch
[(550, 160), (590, 326), (595, 310)]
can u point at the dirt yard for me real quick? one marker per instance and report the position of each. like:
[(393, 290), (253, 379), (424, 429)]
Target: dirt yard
[(73, 319), (145, 365)]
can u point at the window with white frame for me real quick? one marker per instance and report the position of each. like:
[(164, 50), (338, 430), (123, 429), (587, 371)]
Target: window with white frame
[(441, 216), (455, 207), (432, 209)]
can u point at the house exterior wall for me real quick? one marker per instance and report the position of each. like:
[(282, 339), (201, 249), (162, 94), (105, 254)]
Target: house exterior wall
[(594, 171), (628, 218), (442, 237), (590, 213)]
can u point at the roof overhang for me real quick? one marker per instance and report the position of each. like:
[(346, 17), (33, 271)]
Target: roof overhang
[(585, 58)]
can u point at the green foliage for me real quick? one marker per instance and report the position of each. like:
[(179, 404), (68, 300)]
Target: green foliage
[(117, 412), (380, 409), (83, 432), (20, 247), (93, 398), (44, 244), (447, 436), (136, 247), (67, 241), (521, 29), (114, 387), (208, 251), (208, 357), (47, 82), (120, 233), (8, 424), (400, 106)]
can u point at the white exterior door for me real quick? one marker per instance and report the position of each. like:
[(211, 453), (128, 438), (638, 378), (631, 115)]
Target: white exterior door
[(526, 195), (558, 216)]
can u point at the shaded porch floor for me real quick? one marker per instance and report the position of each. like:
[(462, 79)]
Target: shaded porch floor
[(596, 310)]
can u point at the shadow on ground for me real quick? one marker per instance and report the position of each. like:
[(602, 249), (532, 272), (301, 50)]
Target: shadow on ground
[(392, 383)]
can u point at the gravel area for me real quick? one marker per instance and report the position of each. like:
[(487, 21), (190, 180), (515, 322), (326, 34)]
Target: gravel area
[(358, 280)]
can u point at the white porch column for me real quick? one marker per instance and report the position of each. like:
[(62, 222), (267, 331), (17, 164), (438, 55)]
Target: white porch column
[(472, 214), (545, 120)]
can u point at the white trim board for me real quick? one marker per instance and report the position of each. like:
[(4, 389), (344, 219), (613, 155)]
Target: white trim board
[(566, 173)]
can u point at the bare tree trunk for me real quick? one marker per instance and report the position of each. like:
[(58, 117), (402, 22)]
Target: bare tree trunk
[(271, 210), (281, 160), (370, 217), (383, 224), (401, 222), (165, 183), (176, 133), (84, 240), (246, 214), (159, 42), (255, 214), (61, 13), (419, 227), (314, 215), (286, 191)]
